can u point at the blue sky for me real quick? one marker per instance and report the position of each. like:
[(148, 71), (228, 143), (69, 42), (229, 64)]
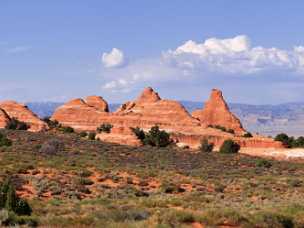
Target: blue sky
[(61, 49)]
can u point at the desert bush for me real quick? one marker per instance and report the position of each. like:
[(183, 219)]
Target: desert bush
[(269, 219), (51, 123), (11, 202), (222, 128), (290, 142), (229, 147), (263, 163), (85, 173), (140, 134), (15, 124), (83, 134), (67, 129), (92, 135), (247, 135), (285, 139), (157, 137), (52, 146), (85, 181), (206, 146), (105, 127), (4, 141)]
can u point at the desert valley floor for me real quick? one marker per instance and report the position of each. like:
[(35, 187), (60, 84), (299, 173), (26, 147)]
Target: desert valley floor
[(95, 184)]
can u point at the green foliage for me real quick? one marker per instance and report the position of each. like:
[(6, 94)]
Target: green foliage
[(51, 123), (222, 128), (92, 135), (229, 147), (140, 134), (4, 141), (263, 163), (66, 129), (15, 124), (105, 127), (52, 146), (206, 146), (247, 135), (290, 142), (11, 202), (83, 134), (85, 181), (157, 137), (285, 139)]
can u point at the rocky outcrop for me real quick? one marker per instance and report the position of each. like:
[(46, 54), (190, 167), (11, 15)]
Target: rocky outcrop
[(149, 110), (120, 135), (82, 114), (97, 102), (4, 119), (216, 113), (22, 113)]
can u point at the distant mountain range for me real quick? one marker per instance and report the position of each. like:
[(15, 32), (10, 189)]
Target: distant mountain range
[(263, 119)]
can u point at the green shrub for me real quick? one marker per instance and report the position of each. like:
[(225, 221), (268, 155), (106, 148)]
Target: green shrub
[(231, 131), (51, 123), (85, 181), (222, 128), (247, 135), (105, 127), (263, 163), (229, 147), (83, 134), (206, 146), (140, 134), (4, 141), (52, 146), (15, 124), (285, 139), (92, 135), (268, 219), (157, 137), (11, 202), (67, 129), (85, 173)]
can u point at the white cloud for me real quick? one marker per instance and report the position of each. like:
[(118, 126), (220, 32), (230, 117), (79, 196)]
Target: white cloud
[(113, 59), (234, 56), (223, 63)]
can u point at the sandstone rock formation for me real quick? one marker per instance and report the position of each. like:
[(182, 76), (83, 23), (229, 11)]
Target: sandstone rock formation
[(216, 112), (97, 102), (4, 119), (149, 110), (82, 114), (22, 113), (120, 135)]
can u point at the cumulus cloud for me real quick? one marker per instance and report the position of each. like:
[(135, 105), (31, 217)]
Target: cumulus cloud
[(231, 64), (113, 59), (235, 56)]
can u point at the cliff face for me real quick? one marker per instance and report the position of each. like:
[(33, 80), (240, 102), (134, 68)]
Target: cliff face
[(216, 112), (19, 111), (149, 110)]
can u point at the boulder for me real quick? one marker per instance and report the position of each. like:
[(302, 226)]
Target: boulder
[(216, 112), (22, 113)]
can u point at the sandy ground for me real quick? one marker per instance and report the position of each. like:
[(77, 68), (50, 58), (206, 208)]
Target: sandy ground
[(278, 154)]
